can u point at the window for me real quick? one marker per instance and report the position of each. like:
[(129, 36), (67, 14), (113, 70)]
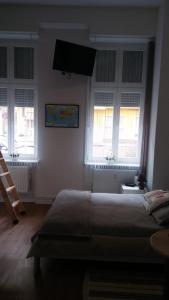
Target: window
[(3, 120), (115, 110), (18, 97)]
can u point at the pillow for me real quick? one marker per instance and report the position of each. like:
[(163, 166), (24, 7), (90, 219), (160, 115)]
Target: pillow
[(161, 215), (155, 200)]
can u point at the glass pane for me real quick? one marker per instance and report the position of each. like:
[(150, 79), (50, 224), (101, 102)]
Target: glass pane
[(128, 132), (24, 130), (3, 62), (132, 66), (23, 63), (102, 131), (105, 66), (4, 129)]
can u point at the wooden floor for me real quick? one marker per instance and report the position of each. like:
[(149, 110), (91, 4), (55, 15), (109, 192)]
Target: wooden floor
[(59, 280)]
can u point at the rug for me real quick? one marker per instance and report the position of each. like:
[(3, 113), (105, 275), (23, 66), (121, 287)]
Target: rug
[(123, 284)]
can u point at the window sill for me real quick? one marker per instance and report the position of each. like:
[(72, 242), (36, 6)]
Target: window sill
[(118, 166)]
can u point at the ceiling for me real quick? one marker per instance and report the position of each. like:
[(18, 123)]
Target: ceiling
[(139, 3)]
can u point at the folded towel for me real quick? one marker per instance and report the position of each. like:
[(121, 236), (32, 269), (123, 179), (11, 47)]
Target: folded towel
[(155, 200)]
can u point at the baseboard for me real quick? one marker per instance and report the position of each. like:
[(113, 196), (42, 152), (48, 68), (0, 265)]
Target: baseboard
[(38, 200), (43, 200), (31, 199)]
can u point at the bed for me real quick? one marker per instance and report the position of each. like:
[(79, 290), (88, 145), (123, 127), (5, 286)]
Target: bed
[(96, 226)]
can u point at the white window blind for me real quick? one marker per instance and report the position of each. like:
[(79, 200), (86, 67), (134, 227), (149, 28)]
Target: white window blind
[(130, 100), (105, 66), (3, 62), (103, 99), (23, 63), (24, 97)]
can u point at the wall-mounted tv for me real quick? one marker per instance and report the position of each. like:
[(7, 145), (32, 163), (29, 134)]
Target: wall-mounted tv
[(73, 58)]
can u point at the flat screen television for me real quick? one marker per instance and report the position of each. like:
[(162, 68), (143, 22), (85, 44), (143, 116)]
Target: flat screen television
[(73, 58)]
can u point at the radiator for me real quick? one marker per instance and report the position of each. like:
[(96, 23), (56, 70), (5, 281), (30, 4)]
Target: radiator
[(110, 180), (21, 177)]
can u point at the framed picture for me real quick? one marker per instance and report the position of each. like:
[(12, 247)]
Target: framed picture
[(62, 115)]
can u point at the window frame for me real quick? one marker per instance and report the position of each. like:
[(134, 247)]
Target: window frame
[(11, 84), (117, 88)]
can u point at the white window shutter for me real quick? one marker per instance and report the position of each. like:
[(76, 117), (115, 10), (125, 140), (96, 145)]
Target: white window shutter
[(104, 99), (132, 70), (23, 63), (105, 66), (3, 62), (24, 97), (130, 100), (3, 97)]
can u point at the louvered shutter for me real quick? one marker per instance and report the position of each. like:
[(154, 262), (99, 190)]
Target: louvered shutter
[(23, 63), (24, 97), (130, 100), (3, 97), (105, 66), (3, 62), (132, 69), (104, 99)]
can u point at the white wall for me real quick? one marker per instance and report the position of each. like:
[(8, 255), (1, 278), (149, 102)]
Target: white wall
[(155, 99), (158, 174), (61, 150)]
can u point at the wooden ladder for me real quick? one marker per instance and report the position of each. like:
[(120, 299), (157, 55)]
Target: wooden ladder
[(8, 188)]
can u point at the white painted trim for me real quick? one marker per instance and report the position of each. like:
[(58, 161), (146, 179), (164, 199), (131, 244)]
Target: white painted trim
[(43, 200), (27, 198), (104, 38)]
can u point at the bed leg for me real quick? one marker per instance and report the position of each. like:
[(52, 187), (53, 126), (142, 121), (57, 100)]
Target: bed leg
[(37, 268)]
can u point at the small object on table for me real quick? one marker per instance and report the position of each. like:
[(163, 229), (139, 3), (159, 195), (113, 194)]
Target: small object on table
[(130, 184), (160, 243)]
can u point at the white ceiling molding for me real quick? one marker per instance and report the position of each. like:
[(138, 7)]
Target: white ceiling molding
[(101, 38), (70, 26), (16, 35), (98, 3)]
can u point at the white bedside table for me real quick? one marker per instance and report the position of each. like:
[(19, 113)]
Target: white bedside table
[(131, 190)]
